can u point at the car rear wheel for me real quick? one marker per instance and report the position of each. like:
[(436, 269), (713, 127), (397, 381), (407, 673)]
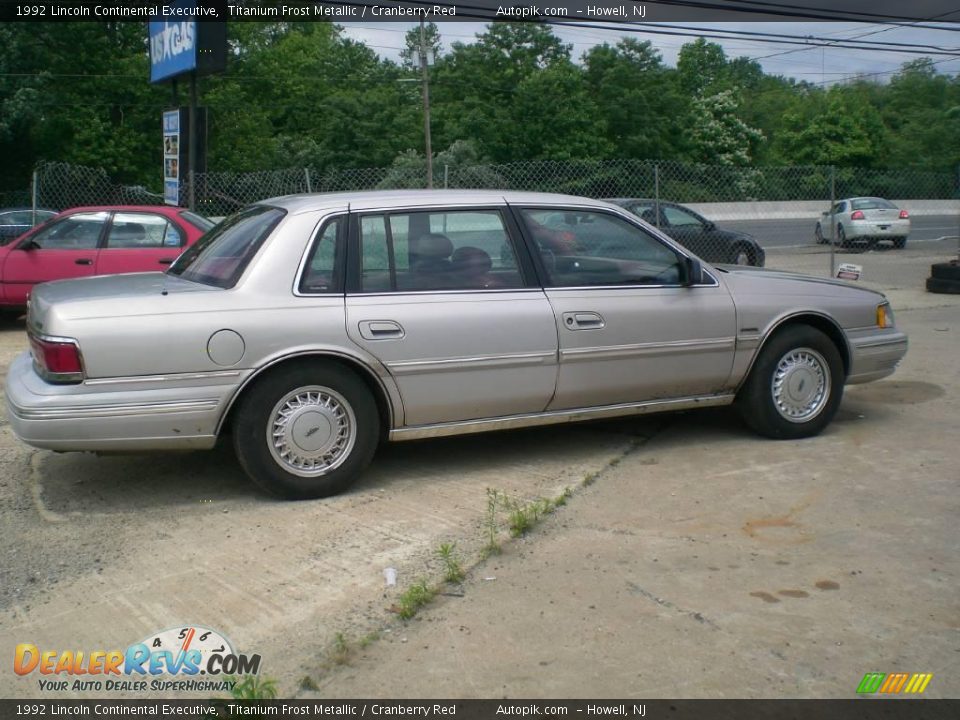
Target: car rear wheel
[(306, 430), (899, 242), (842, 237), (795, 386)]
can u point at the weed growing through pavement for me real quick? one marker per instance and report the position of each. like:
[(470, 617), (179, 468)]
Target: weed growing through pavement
[(414, 598), (341, 649), (452, 570), (490, 524), (254, 687), (308, 683)]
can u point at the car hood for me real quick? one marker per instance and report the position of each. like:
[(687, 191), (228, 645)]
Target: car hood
[(95, 296), (764, 297), (766, 280)]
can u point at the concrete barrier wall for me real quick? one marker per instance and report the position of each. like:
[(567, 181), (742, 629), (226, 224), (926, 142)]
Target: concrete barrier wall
[(808, 209)]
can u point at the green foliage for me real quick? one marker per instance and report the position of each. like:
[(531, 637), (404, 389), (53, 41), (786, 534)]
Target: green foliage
[(490, 525), (304, 95), (414, 598), (341, 649), (254, 687), (452, 569)]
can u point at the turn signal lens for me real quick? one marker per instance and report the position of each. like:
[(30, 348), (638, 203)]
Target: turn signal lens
[(884, 316), (856, 215), (904, 214), (57, 359)]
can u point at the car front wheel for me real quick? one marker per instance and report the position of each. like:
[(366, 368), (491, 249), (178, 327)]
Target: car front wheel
[(306, 430), (740, 255), (795, 386)]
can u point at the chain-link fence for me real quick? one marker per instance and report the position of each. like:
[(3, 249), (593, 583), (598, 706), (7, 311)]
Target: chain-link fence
[(757, 215)]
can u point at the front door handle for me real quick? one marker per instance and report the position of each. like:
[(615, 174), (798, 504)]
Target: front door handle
[(583, 320), (165, 261), (83, 261), (381, 330)]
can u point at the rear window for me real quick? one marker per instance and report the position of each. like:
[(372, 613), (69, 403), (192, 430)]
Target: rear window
[(871, 204), (220, 257), (198, 221)]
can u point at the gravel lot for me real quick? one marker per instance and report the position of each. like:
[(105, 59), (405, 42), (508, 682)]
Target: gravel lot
[(99, 552)]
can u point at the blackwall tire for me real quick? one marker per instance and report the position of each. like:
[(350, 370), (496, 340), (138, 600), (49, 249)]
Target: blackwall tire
[(946, 271), (306, 430), (939, 285), (795, 387)]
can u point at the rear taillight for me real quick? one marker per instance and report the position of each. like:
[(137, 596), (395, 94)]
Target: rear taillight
[(904, 214), (57, 360), (856, 215)]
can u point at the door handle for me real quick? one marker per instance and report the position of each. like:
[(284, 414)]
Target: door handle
[(165, 261), (583, 321), (83, 261), (381, 330)]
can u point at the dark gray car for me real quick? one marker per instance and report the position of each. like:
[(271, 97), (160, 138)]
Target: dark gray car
[(696, 233)]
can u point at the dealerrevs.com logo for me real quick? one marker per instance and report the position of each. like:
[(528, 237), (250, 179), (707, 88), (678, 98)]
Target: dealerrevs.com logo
[(191, 658)]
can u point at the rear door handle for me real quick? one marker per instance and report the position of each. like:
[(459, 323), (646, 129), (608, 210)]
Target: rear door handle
[(83, 261), (583, 320), (381, 330)]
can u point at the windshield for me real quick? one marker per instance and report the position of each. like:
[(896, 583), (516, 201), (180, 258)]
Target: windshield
[(198, 221), (871, 204), (220, 257)]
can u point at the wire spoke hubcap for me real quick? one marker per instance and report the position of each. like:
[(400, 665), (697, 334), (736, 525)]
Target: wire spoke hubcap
[(311, 431), (801, 385)]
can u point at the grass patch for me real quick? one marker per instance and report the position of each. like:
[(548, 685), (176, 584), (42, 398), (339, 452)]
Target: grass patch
[(414, 598)]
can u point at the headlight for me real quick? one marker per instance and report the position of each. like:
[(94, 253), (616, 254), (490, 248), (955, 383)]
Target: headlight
[(885, 315)]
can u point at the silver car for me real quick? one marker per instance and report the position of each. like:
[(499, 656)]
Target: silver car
[(311, 328), (863, 218)]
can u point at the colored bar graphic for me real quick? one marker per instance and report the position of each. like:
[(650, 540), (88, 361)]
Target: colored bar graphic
[(893, 683)]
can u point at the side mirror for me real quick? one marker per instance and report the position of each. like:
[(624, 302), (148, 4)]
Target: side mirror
[(691, 272), (710, 226), (28, 245)]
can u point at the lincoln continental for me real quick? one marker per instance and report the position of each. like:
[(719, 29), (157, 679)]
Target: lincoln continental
[(309, 329)]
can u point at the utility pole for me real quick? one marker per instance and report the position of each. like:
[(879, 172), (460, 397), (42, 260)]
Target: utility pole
[(426, 103)]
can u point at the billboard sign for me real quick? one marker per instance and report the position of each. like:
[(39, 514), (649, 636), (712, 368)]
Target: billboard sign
[(173, 48), (180, 44)]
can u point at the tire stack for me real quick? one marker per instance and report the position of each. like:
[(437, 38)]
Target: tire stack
[(944, 278)]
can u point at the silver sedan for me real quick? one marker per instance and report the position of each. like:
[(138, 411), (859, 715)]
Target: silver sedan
[(311, 328), (864, 218)]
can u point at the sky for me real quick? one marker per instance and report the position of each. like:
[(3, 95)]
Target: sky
[(816, 65)]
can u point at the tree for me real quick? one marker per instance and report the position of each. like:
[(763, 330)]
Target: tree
[(718, 136), (638, 98), (701, 65)]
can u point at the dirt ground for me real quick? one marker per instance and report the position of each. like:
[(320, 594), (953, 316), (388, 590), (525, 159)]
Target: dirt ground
[(702, 562)]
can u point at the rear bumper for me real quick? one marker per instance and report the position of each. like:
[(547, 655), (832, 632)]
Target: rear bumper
[(82, 417), (871, 229), (876, 355)]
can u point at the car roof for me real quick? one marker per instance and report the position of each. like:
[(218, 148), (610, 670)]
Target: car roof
[(371, 199), (126, 208)]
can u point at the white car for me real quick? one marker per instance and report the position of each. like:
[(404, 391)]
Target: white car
[(864, 218)]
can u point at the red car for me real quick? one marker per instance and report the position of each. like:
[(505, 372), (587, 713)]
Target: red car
[(95, 241)]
